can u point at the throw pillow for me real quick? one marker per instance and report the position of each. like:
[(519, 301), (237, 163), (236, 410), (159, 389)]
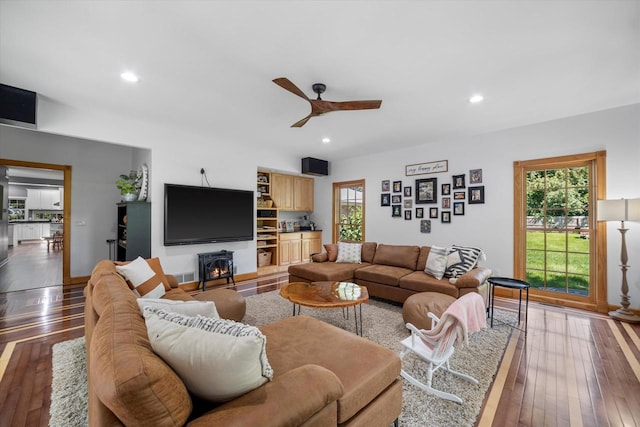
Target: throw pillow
[(437, 262), (154, 263), (349, 253), (461, 259), (216, 359), (188, 308), (142, 279), (332, 251)]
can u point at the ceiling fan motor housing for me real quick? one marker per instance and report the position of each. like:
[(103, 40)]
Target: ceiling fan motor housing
[(319, 88)]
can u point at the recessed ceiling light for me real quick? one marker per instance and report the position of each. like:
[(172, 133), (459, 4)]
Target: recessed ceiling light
[(129, 77), (326, 140), (476, 98)]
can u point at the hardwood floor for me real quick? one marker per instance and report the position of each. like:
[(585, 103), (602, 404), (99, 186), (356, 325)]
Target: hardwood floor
[(574, 368), (30, 266)]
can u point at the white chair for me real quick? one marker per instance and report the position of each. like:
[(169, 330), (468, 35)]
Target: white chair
[(436, 346)]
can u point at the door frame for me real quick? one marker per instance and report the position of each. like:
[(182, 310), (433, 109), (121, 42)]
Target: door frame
[(335, 225), (599, 258), (66, 210)]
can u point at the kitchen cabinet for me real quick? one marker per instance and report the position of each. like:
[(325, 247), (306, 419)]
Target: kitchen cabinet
[(311, 244), (292, 193), (30, 231), (38, 199)]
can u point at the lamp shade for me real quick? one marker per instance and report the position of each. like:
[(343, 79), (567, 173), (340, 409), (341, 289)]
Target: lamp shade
[(619, 210)]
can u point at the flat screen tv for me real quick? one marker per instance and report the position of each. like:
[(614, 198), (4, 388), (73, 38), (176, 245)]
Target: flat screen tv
[(196, 215)]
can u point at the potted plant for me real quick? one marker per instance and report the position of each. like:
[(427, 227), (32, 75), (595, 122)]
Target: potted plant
[(128, 186)]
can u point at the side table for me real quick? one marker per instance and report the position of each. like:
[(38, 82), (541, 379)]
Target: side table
[(507, 282)]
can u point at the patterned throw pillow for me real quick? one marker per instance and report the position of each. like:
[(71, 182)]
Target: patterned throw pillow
[(437, 262), (349, 253), (461, 259), (188, 308), (216, 359), (141, 278)]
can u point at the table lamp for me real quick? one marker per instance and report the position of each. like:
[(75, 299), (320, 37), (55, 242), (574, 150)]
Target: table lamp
[(621, 210)]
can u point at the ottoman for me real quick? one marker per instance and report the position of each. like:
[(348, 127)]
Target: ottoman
[(229, 303), (417, 306)]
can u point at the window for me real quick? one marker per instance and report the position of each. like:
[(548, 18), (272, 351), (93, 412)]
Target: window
[(555, 228), (348, 208), (16, 209)]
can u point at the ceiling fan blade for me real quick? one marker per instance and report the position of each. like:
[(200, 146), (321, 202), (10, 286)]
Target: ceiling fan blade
[(355, 105), (301, 123), (286, 84)]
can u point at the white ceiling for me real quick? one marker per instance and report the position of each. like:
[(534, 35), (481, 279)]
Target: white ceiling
[(207, 66)]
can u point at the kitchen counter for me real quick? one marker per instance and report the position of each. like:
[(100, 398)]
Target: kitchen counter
[(31, 221)]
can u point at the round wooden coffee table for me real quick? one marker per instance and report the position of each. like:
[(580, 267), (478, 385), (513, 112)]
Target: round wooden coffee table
[(328, 295)]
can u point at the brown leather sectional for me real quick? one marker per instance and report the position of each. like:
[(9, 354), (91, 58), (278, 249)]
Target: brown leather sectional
[(391, 272), (320, 377)]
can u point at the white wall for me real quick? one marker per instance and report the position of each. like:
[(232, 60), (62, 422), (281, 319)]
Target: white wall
[(95, 167), (490, 225)]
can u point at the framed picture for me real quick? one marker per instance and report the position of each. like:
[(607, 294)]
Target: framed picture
[(458, 181), (386, 185), (407, 203), (426, 190), (446, 202), (396, 210), (458, 208), (459, 195), (397, 186), (407, 215), (396, 198), (425, 226), (433, 212), (385, 199), (407, 191), (445, 217), (446, 189), (475, 176), (420, 212), (476, 195)]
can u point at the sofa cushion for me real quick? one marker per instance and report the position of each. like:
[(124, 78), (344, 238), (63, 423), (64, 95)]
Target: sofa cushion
[(460, 260), (321, 257), (324, 271), (397, 255), (383, 274), (419, 281), (217, 359), (422, 257), (437, 262), (188, 308), (368, 251), (349, 253), (301, 340), (332, 251), (142, 279)]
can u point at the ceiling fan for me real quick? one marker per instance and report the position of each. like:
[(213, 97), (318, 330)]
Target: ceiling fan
[(320, 106)]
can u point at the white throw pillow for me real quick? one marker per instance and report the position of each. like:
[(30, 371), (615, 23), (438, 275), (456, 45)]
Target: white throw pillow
[(462, 259), (188, 308), (216, 359), (437, 262), (349, 253), (142, 279)]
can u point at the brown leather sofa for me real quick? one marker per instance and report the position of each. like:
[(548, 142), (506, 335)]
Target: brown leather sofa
[(320, 377), (391, 272)]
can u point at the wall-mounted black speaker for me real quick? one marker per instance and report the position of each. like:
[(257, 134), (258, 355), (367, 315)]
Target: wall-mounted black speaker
[(311, 166), (18, 107)]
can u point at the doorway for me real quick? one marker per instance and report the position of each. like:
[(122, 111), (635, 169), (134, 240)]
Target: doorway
[(556, 235), (36, 262)]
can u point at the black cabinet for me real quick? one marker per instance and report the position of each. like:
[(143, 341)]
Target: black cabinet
[(134, 231)]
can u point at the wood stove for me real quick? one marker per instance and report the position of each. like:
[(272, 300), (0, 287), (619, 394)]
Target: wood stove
[(215, 265)]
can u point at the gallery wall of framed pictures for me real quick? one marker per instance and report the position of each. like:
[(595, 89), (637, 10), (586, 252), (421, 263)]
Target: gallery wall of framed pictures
[(439, 197)]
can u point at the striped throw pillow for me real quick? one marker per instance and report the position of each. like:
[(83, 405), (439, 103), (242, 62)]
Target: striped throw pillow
[(461, 259)]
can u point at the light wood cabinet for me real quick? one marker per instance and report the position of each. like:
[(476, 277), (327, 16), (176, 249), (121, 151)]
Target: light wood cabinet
[(303, 194), (296, 247), (289, 248), (292, 193), (311, 244)]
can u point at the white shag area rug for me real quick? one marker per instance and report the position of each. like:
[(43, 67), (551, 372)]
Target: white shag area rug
[(382, 323)]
